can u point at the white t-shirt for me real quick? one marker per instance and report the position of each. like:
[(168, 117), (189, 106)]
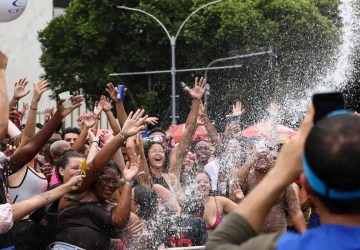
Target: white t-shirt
[(212, 168)]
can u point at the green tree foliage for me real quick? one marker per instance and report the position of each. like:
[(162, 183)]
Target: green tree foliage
[(94, 39)]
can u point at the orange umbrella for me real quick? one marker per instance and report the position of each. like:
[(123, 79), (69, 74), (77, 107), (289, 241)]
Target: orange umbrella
[(178, 130), (265, 129)]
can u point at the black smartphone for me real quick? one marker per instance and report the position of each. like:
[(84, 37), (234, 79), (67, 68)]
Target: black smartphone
[(325, 103)]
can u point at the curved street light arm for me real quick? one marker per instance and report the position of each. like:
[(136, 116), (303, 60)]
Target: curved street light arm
[(147, 13), (194, 12)]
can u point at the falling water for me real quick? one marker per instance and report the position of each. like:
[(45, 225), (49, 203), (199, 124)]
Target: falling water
[(338, 74)]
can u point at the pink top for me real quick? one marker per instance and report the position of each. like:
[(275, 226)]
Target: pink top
[(54, 179), (217, 220)]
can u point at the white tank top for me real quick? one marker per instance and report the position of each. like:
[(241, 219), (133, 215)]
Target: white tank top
[(31, 185)]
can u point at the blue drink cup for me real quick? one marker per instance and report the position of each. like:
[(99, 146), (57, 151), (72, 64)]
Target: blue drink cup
[(120, 95)]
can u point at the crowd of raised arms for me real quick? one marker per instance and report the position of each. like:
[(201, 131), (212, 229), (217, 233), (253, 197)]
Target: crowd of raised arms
[(86, 187)]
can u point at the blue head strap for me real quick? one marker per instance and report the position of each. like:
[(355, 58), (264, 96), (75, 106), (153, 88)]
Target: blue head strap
[(318, 185)]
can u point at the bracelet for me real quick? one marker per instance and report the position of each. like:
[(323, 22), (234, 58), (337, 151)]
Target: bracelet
[(122, 136), (95, 141), (129, 183), (32, 108)]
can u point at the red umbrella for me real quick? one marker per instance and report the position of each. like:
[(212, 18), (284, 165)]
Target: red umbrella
[(265, 129), (177, 132)]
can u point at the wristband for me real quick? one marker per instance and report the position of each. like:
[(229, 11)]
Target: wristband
[(95, 141), (129, 183), (32, 108)]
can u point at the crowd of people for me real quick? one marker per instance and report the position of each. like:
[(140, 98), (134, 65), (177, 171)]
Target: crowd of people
[(87, 187)]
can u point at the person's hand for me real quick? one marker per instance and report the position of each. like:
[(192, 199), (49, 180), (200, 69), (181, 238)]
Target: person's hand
[(47, 170), (3, 60), (105, 136), (289, 161), (75, 103), (48, 113), (97, 110), (236, 190), (105, 103), (92, 135), (131, 170), (113, 91), (237, 109), (10, 149), (151, 120), (89, 120), (199, 88), (80, 122), (134, 123), (74, 182), (24, 108), (39, 89), (19, 89)]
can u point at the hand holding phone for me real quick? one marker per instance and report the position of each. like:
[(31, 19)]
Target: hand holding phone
[(325, 103)]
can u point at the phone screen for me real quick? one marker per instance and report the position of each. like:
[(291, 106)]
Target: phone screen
[(325, 103)]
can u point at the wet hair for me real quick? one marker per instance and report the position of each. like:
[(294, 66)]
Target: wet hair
[(147, 199), (155, 129), (333, 153), (68, 130), (112, 165), (64, 160), (195, 143)]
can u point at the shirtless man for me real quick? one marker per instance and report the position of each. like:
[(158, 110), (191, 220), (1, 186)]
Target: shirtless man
[(287, 204)]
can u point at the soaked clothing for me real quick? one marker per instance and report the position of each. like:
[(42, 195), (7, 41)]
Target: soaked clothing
[(86, 225), (217, 220)]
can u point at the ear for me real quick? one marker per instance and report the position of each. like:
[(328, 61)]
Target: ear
[(137, 209), (61, 172), (305, 184)]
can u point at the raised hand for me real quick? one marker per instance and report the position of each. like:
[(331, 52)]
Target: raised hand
[(237, 109), (92, 135), (75, 103), (151, 120), (15, 116), (25, 107), (134, 123), (113, 91), (48, 113), (236, 190), (89, 120), (198, 90), (131, 170), (97, 110), (19, 90), (80, 122), (105, 103), (3, 60), (39, 89)]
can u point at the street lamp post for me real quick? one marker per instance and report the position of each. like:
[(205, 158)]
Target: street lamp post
[(172, 40)]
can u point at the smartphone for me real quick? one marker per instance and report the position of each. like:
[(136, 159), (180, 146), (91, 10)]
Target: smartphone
[(325, 103)]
